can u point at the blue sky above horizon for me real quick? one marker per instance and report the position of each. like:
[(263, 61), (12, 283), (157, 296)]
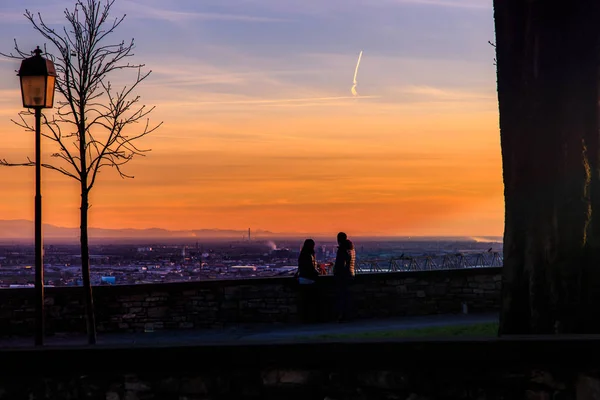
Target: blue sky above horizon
[(426, 74), (311, 46)]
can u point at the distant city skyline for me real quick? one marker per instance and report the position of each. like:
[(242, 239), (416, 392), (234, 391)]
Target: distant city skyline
[(24, 229), (261, 128)]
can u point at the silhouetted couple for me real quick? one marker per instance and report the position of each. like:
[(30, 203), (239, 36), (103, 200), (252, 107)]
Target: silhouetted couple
[(308, 273), (343, 275), (308, 291)]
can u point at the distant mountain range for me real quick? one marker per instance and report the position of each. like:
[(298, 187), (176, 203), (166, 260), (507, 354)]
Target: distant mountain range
[(21, 229), (24, 229)]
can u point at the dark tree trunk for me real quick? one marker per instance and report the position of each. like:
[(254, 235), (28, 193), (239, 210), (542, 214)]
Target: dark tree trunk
[(547, 64), (85, 267)]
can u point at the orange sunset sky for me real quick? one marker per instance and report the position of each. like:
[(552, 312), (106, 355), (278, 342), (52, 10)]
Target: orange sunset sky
[(261, 130)]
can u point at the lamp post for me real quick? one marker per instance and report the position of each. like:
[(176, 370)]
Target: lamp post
[(38, 77)]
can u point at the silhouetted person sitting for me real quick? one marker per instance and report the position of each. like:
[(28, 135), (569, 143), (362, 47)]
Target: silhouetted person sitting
[(307, 279), (343, 272)]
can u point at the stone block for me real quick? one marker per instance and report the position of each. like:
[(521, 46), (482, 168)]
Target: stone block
[(285, 376), (169, 385), (538, 395), (152, 299), (112, 396), (136, 386), (194, 386), (390, 380), (439, 290), (131, 396), (157, 312), (587, 387), (231, 290), (137, 297)]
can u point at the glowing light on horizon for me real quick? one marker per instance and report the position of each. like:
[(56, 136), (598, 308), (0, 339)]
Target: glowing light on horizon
[(480, 239)]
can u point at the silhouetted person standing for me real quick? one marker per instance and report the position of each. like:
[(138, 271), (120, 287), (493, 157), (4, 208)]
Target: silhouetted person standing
[(307, 280), (343, 272)]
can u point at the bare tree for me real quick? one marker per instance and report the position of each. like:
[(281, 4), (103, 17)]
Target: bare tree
[(91, 120)]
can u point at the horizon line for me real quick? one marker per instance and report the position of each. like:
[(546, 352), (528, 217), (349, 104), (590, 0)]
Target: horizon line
[(258, 231)]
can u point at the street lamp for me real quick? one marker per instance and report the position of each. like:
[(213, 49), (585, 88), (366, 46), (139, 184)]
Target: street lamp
[(38, 77)]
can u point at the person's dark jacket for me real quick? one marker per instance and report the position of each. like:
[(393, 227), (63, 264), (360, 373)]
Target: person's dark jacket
[(307, 266), (345, 260)]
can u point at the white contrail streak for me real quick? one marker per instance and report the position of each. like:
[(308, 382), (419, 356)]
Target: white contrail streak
[(272, 101), (353, 90)]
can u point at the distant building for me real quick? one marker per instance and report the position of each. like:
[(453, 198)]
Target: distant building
[(108, 280), (282, 253)]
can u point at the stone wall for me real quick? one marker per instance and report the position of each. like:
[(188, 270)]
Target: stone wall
[(520, 368), (212, 304)]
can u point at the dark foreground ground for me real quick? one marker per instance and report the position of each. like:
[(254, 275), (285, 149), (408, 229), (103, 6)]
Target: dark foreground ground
[(262, 333), (295, 362)]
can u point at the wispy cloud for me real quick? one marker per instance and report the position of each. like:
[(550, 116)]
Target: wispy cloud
[(51, 13), (474, 4), (10, 102), (146, 11), (298, 101), (323, 8), (194, 73), (9, 94), (439, 94), (255, 111), (11, 16)]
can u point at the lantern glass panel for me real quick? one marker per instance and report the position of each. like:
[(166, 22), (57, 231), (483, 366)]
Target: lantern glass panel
[(33, 88), (50, 91)]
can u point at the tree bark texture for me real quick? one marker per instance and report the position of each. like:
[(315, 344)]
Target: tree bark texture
[(547, 65), (85, 268)]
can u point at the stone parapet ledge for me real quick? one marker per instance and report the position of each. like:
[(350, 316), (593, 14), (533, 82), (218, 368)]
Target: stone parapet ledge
[(219, 303), (510, 368)]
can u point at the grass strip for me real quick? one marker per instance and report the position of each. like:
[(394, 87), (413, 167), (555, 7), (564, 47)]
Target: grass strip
[(483, 329)]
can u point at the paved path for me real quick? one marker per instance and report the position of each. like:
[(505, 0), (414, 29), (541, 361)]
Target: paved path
[(249, 334)]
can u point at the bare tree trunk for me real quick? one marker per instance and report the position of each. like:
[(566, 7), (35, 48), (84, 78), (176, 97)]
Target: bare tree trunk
[(85, 63), (85, 268), (548, 99)]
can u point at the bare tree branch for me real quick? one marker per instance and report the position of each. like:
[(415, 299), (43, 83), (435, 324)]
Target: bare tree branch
[(91, 124), (31, 163), (90, 119)]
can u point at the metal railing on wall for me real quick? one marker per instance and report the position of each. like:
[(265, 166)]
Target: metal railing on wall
[(430, 262)]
